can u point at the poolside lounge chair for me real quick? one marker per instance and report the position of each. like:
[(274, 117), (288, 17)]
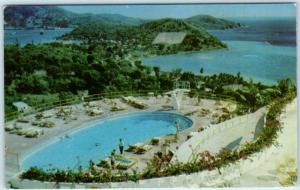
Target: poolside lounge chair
[(94, 112), (47, 124), (139, 148), (23, 120), (13, 128), (135, 103), (203, 112), (64, 112), (29, 132), (147, 147), (116, 107), (44, 115), (124, 163), (93, 104), (10, 127), (132, 148)]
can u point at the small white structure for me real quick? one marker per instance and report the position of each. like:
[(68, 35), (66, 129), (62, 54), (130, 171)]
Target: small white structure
[(21, 106), (169, 38), (181, 85)]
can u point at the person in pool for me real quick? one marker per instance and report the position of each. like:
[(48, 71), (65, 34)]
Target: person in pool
[(121, 146)]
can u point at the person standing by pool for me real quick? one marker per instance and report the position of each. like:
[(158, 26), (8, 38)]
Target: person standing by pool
[(177, 131), (121, 146), (112, 158), (177, 126)]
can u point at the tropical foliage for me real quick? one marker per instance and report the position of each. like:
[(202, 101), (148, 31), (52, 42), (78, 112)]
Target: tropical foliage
[(140, 37)]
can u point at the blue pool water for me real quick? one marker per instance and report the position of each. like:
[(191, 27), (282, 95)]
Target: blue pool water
[(95, 141), (259, 60)]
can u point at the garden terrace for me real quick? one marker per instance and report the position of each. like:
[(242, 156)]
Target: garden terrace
[(203, 111), (70, 115), (207, 161)]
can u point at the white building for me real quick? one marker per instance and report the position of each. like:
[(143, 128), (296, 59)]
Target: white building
[(21, 106)]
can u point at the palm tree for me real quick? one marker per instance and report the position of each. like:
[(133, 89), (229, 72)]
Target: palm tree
[(285, 86), (157, 71), (201, 70)]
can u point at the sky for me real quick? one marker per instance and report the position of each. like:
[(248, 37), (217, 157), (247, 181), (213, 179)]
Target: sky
[(184, 11)]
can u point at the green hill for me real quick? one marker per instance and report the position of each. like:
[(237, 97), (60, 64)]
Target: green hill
[(52, 16), (36, 16), (141, 37), (210, 22), (196, 38)]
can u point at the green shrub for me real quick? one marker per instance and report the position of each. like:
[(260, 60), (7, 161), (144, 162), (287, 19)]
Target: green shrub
[(154, 141), (48, 124), (23, 120), (103, 164)]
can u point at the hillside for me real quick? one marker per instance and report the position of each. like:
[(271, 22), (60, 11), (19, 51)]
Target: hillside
[(196, 38), (52, 16), (141, 37), (36, 16), (210, 22)]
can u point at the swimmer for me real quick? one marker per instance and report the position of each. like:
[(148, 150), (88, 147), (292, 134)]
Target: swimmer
[(97, 144), (67, 136)]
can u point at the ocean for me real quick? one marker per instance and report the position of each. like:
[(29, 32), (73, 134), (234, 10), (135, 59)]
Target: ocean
[(264, 50), (24, 36)]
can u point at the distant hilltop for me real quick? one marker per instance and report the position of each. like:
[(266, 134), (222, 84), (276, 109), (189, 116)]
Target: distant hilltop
[(51, 16), (209, 22), (162, 36)]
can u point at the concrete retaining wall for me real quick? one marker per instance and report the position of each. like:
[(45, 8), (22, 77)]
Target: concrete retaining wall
[(218, 136)]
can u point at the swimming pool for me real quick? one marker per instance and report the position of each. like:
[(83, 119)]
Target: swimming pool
[(94, 141)]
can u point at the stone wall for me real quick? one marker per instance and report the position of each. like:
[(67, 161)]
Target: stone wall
[(215, 137)]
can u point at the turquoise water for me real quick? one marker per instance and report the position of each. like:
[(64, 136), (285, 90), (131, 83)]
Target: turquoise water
[(97, 140), (260, 60)]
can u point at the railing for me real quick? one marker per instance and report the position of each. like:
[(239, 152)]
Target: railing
[(77, 99), (215, 96)]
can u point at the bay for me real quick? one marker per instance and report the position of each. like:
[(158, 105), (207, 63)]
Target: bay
[(260, 61), (28, 36)]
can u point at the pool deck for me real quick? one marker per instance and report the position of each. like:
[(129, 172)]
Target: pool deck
[(23, 146)]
